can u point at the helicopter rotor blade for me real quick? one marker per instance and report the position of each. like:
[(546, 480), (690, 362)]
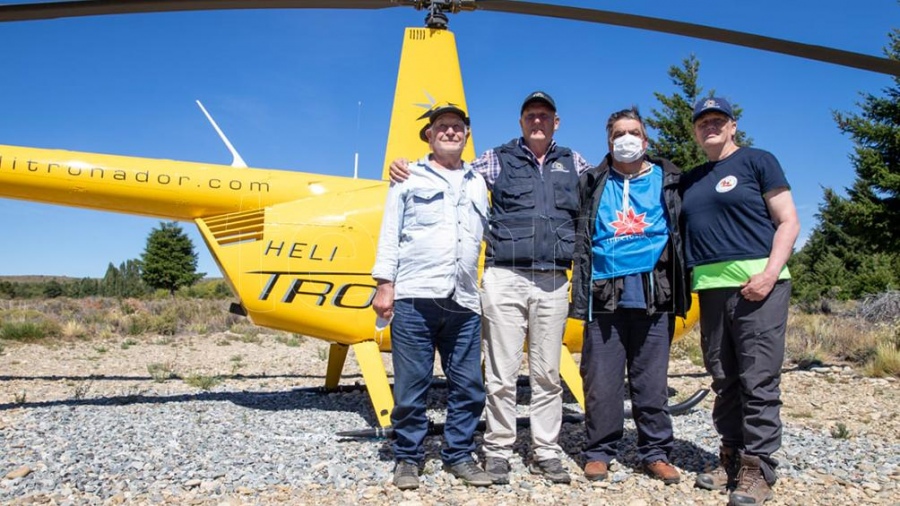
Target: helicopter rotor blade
[(808, 51), (79, 8)]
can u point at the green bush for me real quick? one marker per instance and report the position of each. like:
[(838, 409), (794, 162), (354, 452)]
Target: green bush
[(28, 330)]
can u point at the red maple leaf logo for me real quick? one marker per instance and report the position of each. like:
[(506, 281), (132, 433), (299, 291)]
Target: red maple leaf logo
[(629, 223)]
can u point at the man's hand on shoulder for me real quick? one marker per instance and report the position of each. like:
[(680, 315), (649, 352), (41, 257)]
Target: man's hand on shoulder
[(399, 170)]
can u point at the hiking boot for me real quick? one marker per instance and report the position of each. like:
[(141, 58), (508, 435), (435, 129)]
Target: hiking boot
[(663, 471), (752, 488), (498, 468), (470, 474), (406, 475), (596, 470), (552, 469), (725, 475)]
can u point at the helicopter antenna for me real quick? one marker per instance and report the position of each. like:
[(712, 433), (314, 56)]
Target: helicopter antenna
[(356, 155), (236, 161)]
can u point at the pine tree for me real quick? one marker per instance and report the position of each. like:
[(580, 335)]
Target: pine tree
[(124, 281), (52, 289), (169, 260), (860, 235), (111, 285), (874, 200), (673, 125)]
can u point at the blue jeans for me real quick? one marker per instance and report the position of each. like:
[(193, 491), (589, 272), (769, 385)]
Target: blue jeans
[(421, 327), (627, 341)]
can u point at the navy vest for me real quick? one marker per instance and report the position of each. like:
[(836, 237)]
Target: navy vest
[(533, 212)]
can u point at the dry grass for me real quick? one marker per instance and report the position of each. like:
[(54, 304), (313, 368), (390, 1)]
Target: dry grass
[(688, 347), (97, 317), (815, 339), (843, 336)]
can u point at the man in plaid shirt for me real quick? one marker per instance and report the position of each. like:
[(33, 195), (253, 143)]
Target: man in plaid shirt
[(525, 286)]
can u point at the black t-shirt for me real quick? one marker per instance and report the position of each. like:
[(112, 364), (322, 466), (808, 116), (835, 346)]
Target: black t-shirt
[(725, 215)]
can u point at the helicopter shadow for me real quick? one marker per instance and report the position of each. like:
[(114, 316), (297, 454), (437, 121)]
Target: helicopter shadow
[(353, 398), (436, 404), (106, 377), (685, 454)]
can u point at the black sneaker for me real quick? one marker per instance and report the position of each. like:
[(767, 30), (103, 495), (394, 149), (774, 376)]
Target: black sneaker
[(406, 475), (498, 468), (470, 474), (552, 469)]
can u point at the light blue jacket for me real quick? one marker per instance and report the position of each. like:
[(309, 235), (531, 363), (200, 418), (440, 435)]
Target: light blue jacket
[(431, 236)]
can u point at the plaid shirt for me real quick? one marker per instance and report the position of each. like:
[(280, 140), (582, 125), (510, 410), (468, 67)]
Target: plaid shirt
[(488, 164)]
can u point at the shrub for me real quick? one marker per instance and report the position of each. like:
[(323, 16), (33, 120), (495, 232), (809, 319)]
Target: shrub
[(161, 371), (840, 431), (28, 330), (886, 361), (202, 381)]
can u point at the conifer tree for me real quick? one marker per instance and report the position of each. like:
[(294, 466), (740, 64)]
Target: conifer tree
[(169, 261), (674, 128), (854, 249)]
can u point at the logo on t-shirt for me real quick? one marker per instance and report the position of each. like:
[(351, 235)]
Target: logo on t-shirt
[(629, 223), (726, 184)]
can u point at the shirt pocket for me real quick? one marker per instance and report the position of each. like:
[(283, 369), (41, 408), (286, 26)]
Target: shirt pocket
[(428, 205), (513, 244), (514, 197), (565, 196), (564, 248)]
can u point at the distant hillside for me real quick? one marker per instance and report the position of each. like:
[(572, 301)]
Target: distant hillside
[(36, 279), (61, 279)]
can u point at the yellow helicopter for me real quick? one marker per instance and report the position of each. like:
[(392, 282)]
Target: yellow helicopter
[(297, 248)]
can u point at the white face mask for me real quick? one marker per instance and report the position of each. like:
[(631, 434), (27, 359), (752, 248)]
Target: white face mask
[(628, 148)]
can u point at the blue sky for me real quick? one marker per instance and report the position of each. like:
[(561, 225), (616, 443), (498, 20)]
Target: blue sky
[(286, 88)]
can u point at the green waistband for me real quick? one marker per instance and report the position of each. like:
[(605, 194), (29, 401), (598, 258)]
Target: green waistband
[(730, 274)]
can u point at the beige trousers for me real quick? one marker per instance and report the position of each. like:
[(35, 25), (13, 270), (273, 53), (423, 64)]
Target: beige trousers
[(519, 304)]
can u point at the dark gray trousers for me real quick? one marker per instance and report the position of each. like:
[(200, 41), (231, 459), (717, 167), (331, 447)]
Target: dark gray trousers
[(743, 349), (627, 341)]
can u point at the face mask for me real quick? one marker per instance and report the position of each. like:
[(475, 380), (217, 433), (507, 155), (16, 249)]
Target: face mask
[(628, 148)]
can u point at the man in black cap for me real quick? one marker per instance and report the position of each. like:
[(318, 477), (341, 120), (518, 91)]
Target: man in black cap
[(525, 287)]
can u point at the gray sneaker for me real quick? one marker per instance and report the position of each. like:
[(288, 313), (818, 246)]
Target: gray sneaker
[(552, 469), (406, 475), (498, 468), (470, 474)]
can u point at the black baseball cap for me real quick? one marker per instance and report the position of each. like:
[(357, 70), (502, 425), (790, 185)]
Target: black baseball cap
[(439, 109), (538, 96)]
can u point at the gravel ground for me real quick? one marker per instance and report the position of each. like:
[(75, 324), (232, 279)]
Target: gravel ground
[(85, 423)]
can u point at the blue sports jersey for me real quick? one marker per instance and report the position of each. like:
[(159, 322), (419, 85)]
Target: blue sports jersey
[(630, 233), (725, 215)]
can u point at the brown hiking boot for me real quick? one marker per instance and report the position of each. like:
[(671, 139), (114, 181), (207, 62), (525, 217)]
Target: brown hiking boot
[(662, 470), (752, 489), (725, 475), (596, 470)]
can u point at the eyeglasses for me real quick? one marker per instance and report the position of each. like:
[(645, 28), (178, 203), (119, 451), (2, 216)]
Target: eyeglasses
[(446, 127)]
